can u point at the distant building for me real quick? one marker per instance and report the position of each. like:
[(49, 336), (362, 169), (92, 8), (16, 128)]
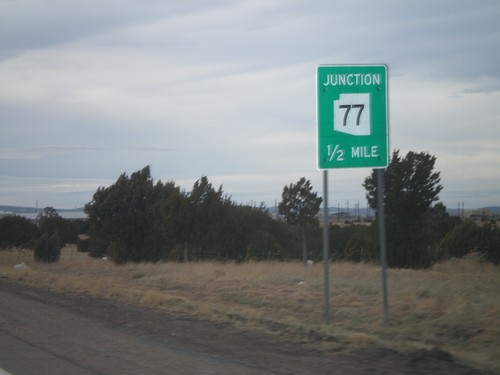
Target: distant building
[(480, 215), (340, 216)]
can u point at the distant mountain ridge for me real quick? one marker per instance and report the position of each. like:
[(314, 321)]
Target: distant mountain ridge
[(494, 209), (361, 211), (34, 210)]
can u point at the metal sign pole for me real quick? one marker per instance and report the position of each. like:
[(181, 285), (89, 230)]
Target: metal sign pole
[(383, 251), (352, 132), (326, 257)]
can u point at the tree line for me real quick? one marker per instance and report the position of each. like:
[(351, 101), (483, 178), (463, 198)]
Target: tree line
[(139, 220), (419, 230)]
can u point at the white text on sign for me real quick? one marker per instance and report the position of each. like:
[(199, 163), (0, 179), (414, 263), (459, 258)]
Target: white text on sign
[(365, 152), (352, 79), (337, 153)]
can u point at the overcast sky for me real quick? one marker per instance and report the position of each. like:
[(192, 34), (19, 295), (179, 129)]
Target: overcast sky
[(227, 89)]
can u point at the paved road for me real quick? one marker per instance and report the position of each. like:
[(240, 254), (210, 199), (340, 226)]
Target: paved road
[(21, 357), (36, 338)]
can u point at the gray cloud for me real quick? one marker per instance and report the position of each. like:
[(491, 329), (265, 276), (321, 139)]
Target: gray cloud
[(227, 89)]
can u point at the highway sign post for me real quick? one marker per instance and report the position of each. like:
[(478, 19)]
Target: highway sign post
[(352, 116), (352, 132)]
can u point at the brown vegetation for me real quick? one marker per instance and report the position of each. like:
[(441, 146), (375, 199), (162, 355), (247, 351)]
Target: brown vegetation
[(454, 306)]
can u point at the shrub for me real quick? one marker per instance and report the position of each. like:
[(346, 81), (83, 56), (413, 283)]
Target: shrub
[(470, 237), (83, 245), (48, 248), (17, 231)]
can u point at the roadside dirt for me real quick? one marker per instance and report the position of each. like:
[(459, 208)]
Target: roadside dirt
[(108, 337)]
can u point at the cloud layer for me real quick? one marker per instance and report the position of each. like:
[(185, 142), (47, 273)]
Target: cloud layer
[(227, 89)]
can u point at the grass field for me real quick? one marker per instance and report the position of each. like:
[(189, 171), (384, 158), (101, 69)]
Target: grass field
[(454, 306)]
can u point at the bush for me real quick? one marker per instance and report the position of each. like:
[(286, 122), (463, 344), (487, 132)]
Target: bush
[(69, 229), (83, 245), (95, 248), (470, 237), (48, 248), (362, 246), (17, 231)]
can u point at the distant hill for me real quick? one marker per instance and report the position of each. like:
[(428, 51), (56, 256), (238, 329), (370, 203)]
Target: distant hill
[(79, 212), (494, 209), (34, 210), (17, 210), (363, 211)]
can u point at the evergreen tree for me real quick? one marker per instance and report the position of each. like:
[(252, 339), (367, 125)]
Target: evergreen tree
[(176, 219), (121, 219), (411, 188), (300, 205), (208, 207), (48, 246)]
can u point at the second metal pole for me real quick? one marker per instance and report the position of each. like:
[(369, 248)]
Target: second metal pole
[(383, 251), (326, 245)]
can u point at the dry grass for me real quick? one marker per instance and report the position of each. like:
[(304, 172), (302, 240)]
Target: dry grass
[(454, 306)]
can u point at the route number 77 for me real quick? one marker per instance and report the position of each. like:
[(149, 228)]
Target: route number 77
[(348, 107), (351, 114)]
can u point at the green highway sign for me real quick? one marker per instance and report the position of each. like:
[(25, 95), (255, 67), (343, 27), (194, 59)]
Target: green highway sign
[(352, 116)]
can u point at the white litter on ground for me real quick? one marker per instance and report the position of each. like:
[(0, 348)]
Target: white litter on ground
[(21, 266)]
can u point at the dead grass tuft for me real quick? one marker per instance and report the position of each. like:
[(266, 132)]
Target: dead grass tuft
[(454, 306)]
